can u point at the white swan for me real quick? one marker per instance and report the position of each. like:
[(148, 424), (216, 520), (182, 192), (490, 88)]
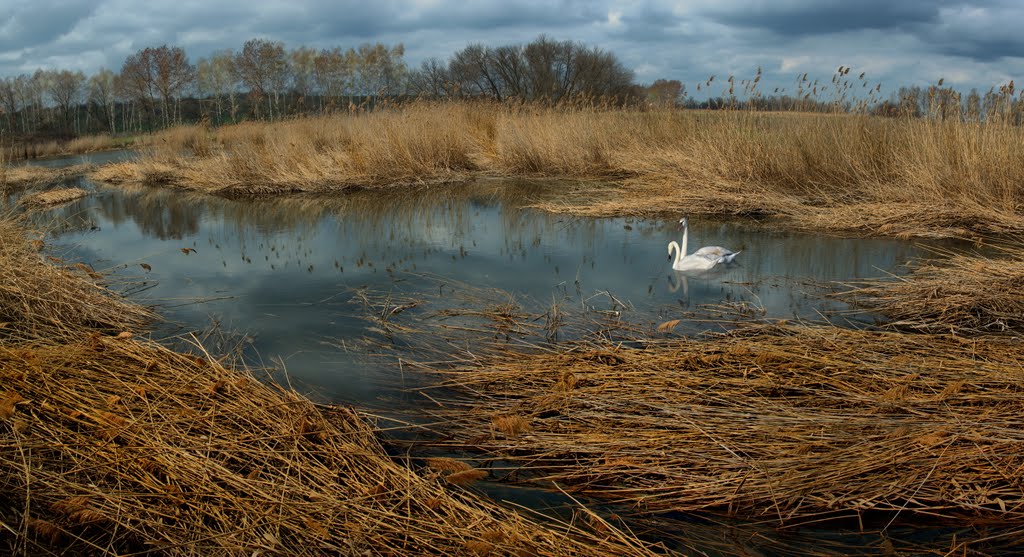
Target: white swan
[(701, 260)]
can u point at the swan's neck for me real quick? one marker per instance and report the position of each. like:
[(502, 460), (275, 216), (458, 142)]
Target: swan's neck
[(686, 235), (673, 246)]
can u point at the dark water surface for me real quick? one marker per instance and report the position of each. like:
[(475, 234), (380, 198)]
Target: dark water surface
[(285, 274), (99, 157)]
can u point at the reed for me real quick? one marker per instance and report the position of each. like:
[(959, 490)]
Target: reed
[(23, 177), (896, 176), (114, 445), (52, 197), (43, 299), (111, 444), (961, 293), (785, 424)]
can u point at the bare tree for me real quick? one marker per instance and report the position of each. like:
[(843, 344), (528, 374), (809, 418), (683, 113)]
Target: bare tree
[(9, 100), (544, 69), (263, 67), (173, 75), (138, 81), (665, 93), (65, 88), (302, 67), (473, 69), (103, 97), (431, 79)]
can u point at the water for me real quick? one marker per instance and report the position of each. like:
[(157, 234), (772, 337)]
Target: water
[(100, 157), (283, 271), (283, 275)]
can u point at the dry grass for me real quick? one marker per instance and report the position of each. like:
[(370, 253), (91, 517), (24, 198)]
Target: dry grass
[(53, 197), (967, 294), (78, 145), (43, 300), (784, 424), (21, 177), (111, 445), (834, 171)]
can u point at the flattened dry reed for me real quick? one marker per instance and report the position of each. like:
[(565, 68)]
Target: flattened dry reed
[(109, 444), (53, 197), (789, 424), (39, 300), (20, 177), (963, 294)]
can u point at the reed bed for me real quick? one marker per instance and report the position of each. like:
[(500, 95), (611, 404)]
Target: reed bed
[(779, 423), (52, 197), (42, 298), (23, 177), (110, 445), (78, 145), (825, 171), (965, 294)]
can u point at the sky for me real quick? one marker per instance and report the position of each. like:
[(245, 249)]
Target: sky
[(895, 42)]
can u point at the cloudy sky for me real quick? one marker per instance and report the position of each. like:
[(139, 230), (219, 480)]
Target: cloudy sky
[(897, 42)]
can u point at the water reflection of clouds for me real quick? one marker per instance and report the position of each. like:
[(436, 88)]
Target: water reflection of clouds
[(288, 264)]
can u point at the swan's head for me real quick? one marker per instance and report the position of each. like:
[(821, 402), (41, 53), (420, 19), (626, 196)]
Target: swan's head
[(684, 222)]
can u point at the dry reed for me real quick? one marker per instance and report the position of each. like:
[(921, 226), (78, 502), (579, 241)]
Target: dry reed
[(53, 197), (22, 177), (111, 445), (961, 293), (833, 171), (40, 300), (787, 424)]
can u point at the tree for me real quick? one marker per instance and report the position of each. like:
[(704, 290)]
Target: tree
[(162, 73), (302, 67), (431, 79), (263, 67), (544, 69), (217, 78), (173, 75), (379, 70), (333, 71), (65, 88), (102, 89), (665, 93)]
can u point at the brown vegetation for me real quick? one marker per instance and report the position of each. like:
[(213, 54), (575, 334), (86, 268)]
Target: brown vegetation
[(833, 171), (41, 299), (788, 424), (20, 177), (966, 294), (53, 197), (109, 444)]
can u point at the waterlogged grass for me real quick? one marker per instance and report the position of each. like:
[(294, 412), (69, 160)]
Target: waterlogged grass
[(834, 171)]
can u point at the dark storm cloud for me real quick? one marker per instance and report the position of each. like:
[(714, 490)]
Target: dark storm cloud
[(899, 42), (792, 18), (29, 24)]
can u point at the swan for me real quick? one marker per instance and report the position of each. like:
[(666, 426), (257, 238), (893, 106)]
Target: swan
[(701, 260)]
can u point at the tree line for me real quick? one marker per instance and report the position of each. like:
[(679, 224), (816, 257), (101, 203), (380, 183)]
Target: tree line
[(160, 86)]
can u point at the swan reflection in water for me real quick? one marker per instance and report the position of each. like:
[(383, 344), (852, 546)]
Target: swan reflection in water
[(681, 279)]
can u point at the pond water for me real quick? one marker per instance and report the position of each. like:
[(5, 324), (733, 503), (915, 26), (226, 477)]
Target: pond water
[(285, 275), (99, 157), (284, 272)]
